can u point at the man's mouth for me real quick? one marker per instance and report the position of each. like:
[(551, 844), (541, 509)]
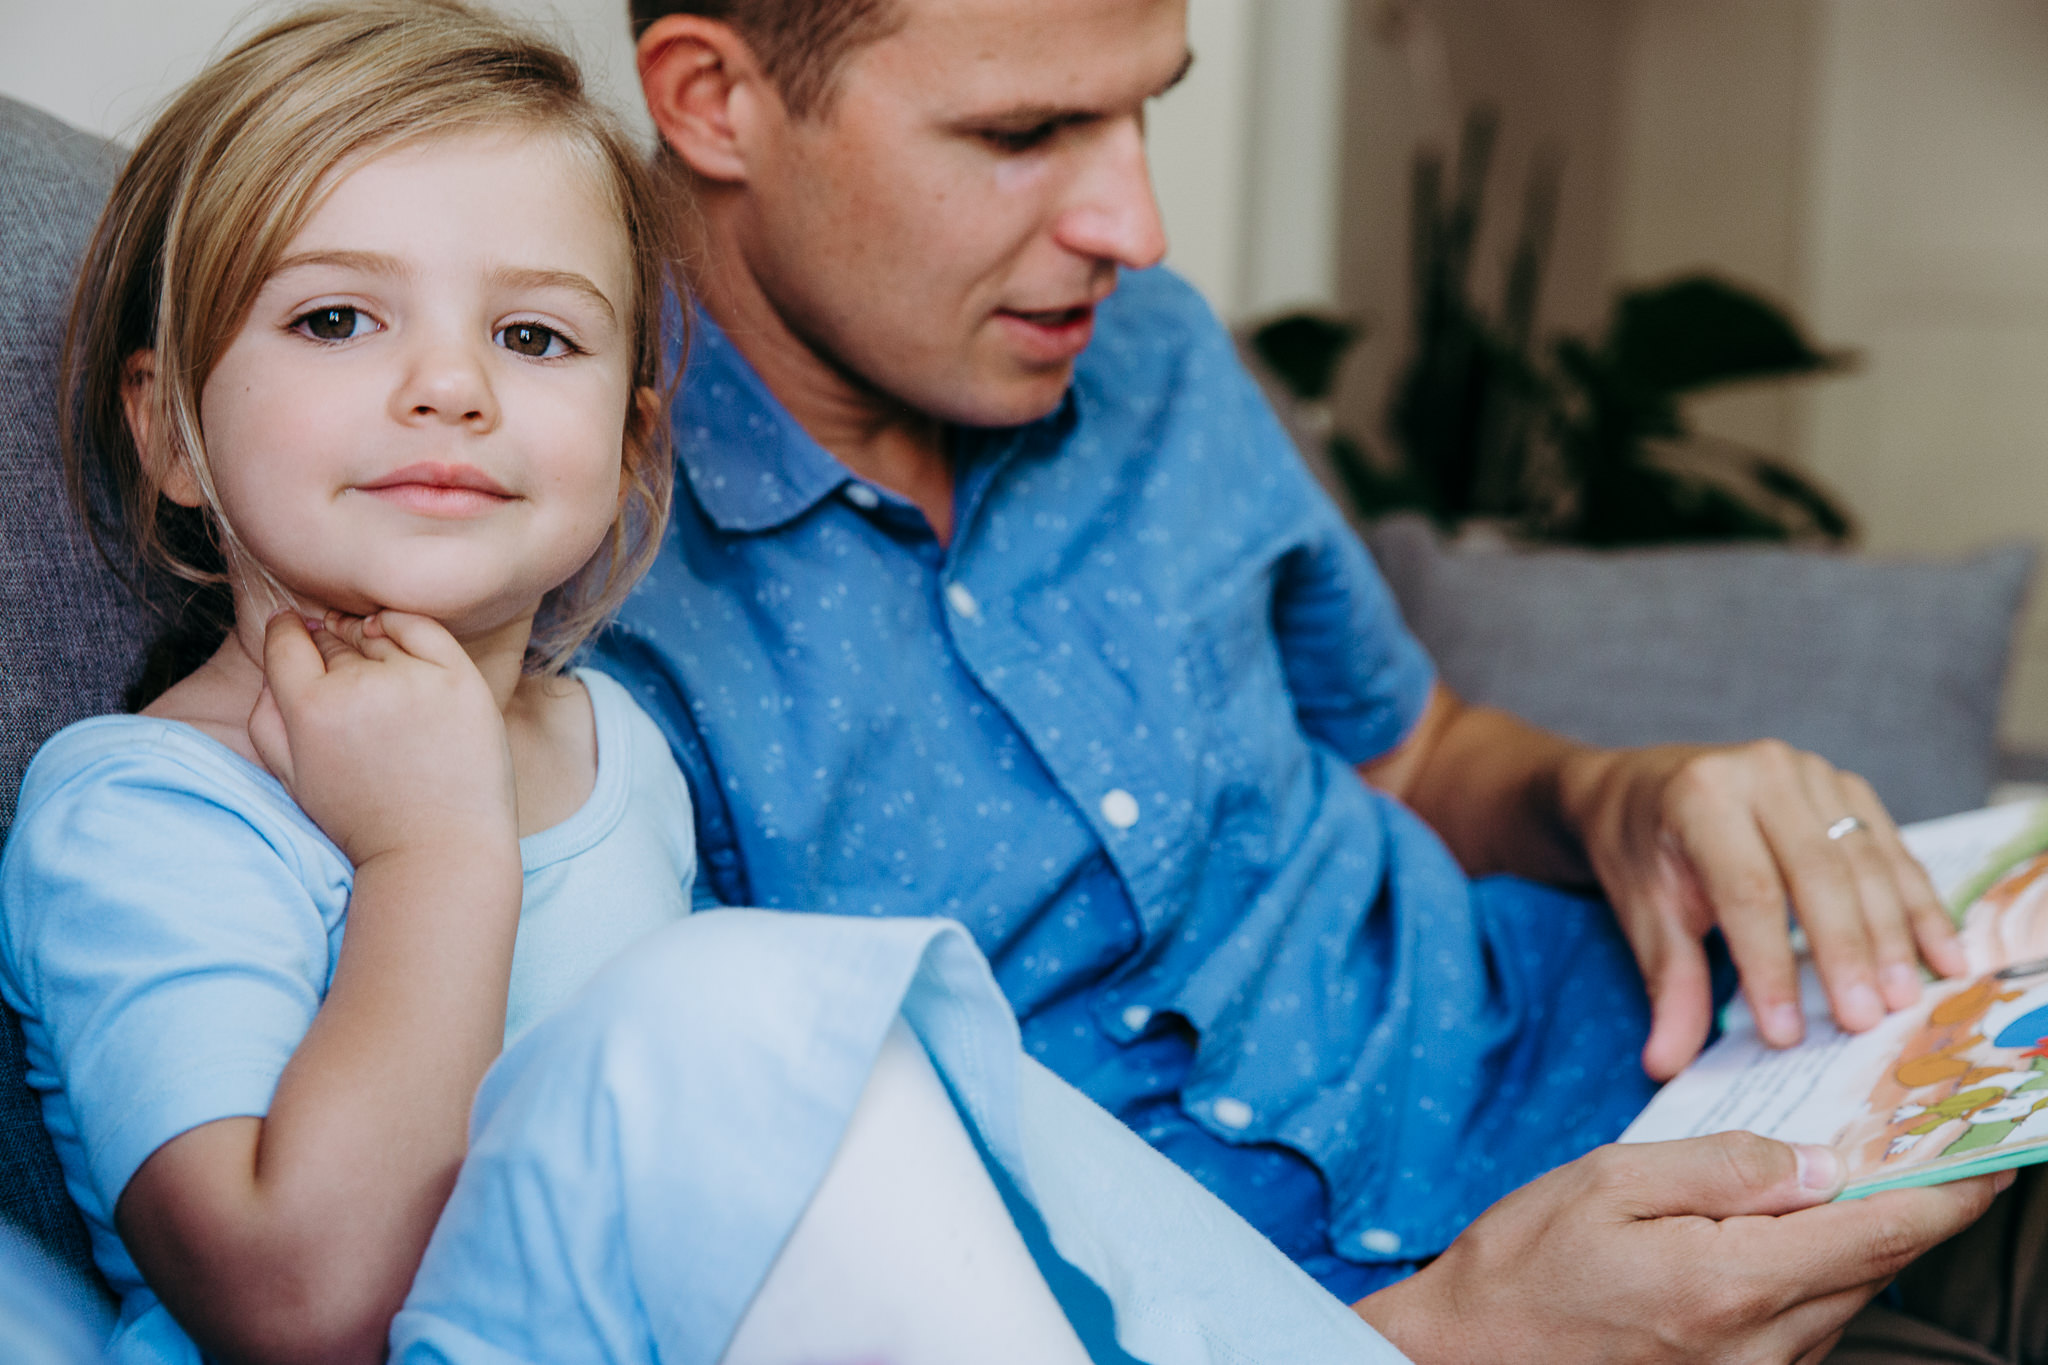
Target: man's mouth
[(1054, 318), (1050, 337)]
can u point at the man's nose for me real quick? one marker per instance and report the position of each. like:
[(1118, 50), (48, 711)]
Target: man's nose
[(1112, 214), (446, 380)]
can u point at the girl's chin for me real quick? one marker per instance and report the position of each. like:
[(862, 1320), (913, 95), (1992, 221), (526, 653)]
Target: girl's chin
[(464, 620)]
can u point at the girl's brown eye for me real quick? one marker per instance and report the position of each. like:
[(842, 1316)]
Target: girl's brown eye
[(530, 338), (330, 324)]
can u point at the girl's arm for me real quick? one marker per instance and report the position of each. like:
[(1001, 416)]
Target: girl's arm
[(295, 1236)]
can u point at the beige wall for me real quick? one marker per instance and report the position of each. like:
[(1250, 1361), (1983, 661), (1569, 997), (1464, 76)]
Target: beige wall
[(1247, 152), (1415, 66), (1717, 112)]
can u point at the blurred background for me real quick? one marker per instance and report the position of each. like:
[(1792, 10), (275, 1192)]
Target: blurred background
[(1876, 170)]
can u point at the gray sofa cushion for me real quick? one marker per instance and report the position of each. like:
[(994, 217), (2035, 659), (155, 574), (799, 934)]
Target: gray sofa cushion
[(70, 634), (1889, 668)]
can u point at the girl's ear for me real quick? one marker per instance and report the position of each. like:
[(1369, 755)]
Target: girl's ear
[(172, 475), (641, 424)]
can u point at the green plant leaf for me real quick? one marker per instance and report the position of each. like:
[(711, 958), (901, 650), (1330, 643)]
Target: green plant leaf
[(1304, 349), (1700, 331), (1788, 483), (1375, 493)]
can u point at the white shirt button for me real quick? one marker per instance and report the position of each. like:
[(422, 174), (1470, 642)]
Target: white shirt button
[(1136, 1017), (1231, 1113), (1120, 808), (1380, 1241), (863, 497), (962, 600)]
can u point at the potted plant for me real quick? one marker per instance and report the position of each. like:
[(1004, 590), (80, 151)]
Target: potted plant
[(1574, 440)]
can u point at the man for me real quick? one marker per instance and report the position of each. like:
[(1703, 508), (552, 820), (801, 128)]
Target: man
[(994, 591)]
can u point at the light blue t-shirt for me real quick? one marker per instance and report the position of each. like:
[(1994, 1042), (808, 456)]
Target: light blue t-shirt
[(170, 921)]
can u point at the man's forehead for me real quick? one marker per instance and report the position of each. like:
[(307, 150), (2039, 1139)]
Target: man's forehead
[(1055, 56)]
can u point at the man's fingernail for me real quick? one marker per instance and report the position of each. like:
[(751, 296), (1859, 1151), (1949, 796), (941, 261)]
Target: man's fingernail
[(2003, 1180), (1782, 1022), (1819, 1167), (1900, 977), (1860, 1001)]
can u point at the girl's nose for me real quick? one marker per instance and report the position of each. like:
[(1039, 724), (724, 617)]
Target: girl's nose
[(446, 382)]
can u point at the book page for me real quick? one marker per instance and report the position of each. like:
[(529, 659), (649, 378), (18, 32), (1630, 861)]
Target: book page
[(1954, 1085)]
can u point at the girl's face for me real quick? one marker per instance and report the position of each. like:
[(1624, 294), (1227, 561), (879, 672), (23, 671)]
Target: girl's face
[(426, 406)]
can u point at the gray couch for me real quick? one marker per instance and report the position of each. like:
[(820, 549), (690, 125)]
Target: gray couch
[(70, 634), (1892, 669)]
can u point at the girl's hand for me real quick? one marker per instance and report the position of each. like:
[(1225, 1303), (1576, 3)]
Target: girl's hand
[(385, 733)]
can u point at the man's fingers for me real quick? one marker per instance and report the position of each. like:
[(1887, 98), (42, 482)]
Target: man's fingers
[(1681, 1006), (1924, 926), (1727, 1175), (1927, 919), (1739, 877), (1806, 1333), (1879, 905), (1853, 1242), (1826, 896)]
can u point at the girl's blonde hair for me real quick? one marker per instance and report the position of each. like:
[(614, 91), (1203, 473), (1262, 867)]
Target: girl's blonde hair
[(215, 192)]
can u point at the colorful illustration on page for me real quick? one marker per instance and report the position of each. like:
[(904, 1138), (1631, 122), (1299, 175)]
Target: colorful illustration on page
[(1973, 1075)]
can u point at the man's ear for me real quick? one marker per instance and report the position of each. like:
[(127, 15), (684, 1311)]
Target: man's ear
[(704, 89), (172, 474)]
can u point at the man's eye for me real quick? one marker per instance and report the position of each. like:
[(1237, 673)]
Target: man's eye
[(1020, 139), (337, 323), (530, 338)]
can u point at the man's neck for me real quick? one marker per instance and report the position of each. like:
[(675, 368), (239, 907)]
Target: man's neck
[(881, 440)]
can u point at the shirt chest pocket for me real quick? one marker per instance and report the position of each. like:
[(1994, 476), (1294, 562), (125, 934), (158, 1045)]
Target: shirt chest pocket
[(1232, 657)]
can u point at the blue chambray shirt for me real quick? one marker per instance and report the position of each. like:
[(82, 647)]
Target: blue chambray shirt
[(1111, 728)]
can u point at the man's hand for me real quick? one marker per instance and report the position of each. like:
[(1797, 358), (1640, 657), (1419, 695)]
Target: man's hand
[(1718, 1249), (1683, 839)]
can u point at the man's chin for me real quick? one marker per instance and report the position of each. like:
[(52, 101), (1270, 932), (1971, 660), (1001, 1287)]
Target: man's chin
[(1021, 397), (990, 390)]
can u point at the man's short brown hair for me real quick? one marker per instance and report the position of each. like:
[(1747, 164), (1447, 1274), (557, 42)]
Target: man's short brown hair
[(799, 43)]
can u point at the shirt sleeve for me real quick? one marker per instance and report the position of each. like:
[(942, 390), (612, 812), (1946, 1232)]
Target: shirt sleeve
[(1360, 680), (165, 951)]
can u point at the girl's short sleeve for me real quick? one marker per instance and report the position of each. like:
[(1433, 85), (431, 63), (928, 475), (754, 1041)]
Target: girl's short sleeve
[(167, 931)]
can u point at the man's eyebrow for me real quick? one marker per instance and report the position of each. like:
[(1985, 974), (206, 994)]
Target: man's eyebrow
[(513, 277), (1019, 117)]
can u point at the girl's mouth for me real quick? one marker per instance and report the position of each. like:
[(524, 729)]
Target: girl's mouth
[(439, 490)]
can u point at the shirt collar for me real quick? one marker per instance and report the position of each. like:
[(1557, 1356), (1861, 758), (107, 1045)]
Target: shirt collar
[(752, 465)]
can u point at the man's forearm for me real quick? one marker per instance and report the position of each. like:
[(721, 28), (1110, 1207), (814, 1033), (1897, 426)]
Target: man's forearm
[(1495, 787)]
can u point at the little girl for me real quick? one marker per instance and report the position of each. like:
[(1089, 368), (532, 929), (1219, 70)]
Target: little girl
[(369, 356)]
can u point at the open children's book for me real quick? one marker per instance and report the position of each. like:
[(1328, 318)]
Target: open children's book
[(1955, 1086)]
